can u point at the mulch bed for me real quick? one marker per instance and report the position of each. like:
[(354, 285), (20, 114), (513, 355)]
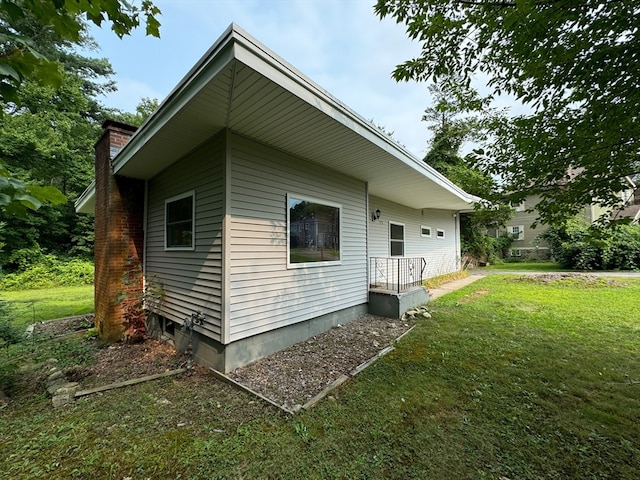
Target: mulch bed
[(290, 377)]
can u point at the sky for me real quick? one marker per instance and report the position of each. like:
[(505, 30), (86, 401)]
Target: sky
[(340, 44)]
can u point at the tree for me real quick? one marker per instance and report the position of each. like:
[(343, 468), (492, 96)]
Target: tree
[(573, 63), (144, 110), (26, 55), (460, 115)]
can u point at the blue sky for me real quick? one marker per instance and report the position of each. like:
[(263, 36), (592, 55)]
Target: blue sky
[(339, 44)]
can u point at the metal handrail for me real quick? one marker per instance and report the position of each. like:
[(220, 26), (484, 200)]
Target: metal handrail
[(396, 274)]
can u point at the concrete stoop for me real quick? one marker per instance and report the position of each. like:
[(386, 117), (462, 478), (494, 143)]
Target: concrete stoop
[(391, 304)]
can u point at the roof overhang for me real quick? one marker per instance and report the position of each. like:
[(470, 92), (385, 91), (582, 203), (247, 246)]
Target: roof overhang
[(241, 85)]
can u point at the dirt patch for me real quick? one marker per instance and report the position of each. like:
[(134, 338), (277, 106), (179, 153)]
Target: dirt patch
[(473, 296), (571, 278), (63, 326), (126, 361), (290, 377)]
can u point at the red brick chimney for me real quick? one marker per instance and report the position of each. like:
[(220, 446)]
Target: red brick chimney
[(118, 236)]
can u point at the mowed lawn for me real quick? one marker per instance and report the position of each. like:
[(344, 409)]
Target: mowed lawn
[(29, 306), (509, 379)]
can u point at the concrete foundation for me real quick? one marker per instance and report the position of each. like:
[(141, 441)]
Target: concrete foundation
[(225, 358), (392, 304)]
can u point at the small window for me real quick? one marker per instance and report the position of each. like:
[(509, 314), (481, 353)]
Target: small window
[(440, 233), (179, 222), (396, 239), (313, 231), (516, 252), (517, 231), (425, 231), (520, 207)]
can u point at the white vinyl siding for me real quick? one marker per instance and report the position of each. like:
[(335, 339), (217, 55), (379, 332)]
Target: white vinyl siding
[(442, 254), (264, 293), (191, 280)]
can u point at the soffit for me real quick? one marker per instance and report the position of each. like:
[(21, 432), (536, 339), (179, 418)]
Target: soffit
[(244, 87)]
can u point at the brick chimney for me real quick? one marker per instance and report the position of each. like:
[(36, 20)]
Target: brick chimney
[(118, 235)]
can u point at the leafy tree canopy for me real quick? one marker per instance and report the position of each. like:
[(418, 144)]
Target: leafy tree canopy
[(20, 58), (574, 63), (459, 115), (36, 48), (144, 110)]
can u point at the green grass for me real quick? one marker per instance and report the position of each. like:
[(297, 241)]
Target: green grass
[(31, 306), (525, 267), (508, 379)]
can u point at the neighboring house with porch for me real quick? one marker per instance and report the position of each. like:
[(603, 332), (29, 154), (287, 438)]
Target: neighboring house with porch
[(260, 206)]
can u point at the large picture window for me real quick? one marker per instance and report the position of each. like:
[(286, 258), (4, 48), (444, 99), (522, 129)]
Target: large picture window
[(314, 231), (179, 222)]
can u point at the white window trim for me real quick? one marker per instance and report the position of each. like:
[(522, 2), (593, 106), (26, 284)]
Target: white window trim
[(440, 231), (191, 193), (516, 252), (422, 227), (520, 207), (306, 198), (404, 239), (520, 232)]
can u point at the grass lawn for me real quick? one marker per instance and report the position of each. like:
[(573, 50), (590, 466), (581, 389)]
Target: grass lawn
[(31, 306), (508, 379), (525, 266)]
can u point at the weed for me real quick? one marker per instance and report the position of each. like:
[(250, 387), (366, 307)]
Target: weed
[(301, 431)]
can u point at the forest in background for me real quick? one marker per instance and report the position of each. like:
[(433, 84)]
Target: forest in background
[(47, 137)]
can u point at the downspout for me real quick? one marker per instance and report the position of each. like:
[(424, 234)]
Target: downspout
[(366, 232), (145, 219), (456, 226)]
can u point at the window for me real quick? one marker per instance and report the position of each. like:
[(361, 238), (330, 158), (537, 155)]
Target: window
[(179, 222), (396, 239), (516, 252), (425, 231), (440, 233), (517, 231), (313, 231), (520, 207)]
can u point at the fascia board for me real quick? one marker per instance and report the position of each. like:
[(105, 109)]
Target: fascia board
[(86, 202)]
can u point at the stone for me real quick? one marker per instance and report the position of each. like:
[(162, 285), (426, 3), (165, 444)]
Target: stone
[(54, 376), (53, 387), (69, 388)]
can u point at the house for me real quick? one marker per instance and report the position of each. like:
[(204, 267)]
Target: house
[(264, 209), (526, 238)]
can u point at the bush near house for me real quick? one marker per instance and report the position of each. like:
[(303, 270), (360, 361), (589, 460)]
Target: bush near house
[(576, 245)]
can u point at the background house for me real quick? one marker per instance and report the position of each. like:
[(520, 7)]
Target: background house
[(527, 242), (264, 209)]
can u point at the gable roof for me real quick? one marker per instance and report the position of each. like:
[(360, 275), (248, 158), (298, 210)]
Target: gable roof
[(241, 85)]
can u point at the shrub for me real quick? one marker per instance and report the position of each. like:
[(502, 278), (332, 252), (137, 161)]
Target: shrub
[(50, 272), (578, 246)]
